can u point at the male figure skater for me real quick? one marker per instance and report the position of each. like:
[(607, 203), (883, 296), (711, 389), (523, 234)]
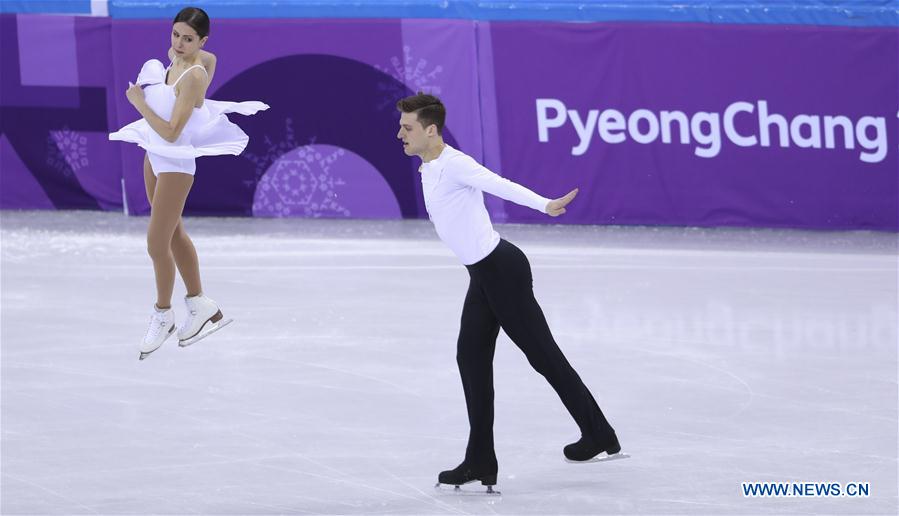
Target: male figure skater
[(500, 292)]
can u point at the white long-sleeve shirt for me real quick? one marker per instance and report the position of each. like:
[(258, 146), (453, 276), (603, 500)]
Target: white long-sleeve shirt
[(453, 184)]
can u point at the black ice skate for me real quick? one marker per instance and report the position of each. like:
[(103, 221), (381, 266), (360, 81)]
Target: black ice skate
[(586, 450), (465, 474)]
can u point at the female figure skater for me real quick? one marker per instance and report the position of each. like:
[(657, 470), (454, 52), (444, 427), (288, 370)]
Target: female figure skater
[(178, 125)]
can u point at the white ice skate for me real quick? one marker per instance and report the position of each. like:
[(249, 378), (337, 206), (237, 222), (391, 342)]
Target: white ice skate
[(162, 325), (203, 319)]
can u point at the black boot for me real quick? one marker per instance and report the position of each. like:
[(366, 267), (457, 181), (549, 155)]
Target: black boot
[(464, 473), (585, 449)]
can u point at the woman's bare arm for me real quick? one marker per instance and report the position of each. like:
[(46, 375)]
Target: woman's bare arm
[(190, 92)]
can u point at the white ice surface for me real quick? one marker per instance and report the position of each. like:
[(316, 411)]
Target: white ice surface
[(720, 356)]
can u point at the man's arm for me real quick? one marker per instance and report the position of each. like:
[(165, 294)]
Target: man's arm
[(469, 172)]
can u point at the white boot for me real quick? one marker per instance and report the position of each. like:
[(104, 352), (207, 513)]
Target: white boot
[(162, 325), (203, 318)]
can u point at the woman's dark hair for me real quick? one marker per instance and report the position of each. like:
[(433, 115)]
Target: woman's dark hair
[(196, 18)]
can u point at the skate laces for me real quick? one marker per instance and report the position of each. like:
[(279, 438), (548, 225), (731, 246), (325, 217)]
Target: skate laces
[(193, 308), (191, 314), (188, 322), (157, 323), (192, 305)]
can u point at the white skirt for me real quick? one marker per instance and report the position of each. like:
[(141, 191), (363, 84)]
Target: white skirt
[(210, 134), (163, 164)]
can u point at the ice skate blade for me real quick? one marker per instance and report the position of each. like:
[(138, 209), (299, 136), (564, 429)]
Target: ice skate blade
[(458, 491), (602, 457), (145, 354), (205, 332)]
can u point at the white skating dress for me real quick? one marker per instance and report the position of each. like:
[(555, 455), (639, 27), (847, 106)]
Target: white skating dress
[(208, 131)]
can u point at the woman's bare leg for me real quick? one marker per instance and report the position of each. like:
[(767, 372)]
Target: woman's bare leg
[(169, 195), (182, 248)]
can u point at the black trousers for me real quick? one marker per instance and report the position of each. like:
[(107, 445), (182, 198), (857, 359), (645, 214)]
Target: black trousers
[(501, 294)]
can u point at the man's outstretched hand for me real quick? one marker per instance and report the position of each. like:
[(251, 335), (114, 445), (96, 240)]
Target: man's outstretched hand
[(556, 207)]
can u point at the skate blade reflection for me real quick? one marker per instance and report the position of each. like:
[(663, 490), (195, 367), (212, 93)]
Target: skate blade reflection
[(470, 491), (602, 457)]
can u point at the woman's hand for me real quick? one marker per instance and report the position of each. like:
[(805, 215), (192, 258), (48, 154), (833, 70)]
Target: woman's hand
[(135, 94)]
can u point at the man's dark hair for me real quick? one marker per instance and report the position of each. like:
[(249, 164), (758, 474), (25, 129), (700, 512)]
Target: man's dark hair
[(428, 108), (196, 18)]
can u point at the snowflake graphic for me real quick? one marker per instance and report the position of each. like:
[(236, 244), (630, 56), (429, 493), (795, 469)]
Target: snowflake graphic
[(413, 73), (300, 183), (275, 150), (66, 151)]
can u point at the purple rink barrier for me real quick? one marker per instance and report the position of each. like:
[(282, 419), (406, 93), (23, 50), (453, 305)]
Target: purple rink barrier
[(327, 147), (675, 124), (55, 111), (701, 125)]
